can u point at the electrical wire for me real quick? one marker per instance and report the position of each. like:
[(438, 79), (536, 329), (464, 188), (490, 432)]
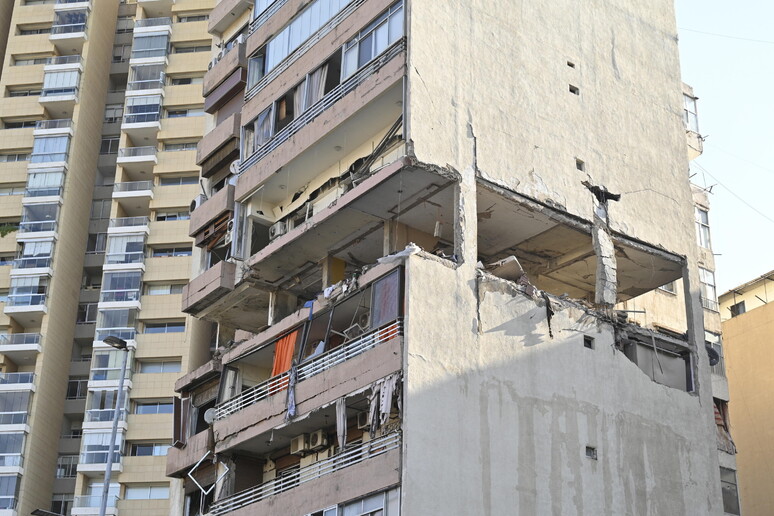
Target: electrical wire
[(756, 210), (728, 36), (739, 157)]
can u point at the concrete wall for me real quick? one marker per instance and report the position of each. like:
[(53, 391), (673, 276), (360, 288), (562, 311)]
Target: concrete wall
[(498, 414), (498, 71), (748, 341)]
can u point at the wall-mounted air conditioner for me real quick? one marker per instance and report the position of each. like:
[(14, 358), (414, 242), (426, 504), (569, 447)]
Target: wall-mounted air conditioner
[(318, 440), (299, 445), (198, 201), (278, 229)]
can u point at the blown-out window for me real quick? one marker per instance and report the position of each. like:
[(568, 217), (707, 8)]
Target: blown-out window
[(374, 39)]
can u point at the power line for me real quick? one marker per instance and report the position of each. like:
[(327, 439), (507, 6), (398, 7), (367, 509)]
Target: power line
[(728, 36), (756, 210), (739, 157)]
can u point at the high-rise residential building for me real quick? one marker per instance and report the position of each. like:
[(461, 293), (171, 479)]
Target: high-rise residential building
[(422, 229), (100, 114), (748, 326)]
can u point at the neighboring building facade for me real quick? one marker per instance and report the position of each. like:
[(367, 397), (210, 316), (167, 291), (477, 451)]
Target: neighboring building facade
[(412, 243), (748, 337), (98, 118)]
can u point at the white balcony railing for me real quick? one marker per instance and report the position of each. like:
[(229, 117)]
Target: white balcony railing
[(60, 60), (19, 339), (14, 378), (70, 28), (133, 186), (93, 501), (135, 152), (62, 123), (153, 22), (348, 457), (266, 14), (323, 104), (308, 369), (125, 222)]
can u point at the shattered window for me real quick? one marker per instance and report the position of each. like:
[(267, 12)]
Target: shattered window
[(384, 307)]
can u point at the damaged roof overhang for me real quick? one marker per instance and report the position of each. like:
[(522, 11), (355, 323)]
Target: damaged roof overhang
[(555, 248), (351, 228)]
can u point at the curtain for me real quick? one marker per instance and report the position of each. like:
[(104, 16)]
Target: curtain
[(299, 106), (316, 88), (283, 353), (60, 80)]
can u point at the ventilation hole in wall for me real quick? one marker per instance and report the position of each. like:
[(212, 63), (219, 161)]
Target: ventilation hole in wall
[(588, 342), (574, 90), (570, 64), (591, 452), (580, 164)]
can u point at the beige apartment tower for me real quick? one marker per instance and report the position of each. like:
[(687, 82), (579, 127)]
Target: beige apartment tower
[(100, 112), (421, 232)]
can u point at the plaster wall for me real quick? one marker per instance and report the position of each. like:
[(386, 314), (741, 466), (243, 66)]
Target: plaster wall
[(748, 341), (489, 82), (487, 387)]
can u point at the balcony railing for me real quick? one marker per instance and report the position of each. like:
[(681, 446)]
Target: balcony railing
[(266, 14), (308, 369), (134, 152), (125, 222), (118, 296), (150, 52), (7, 502), (59, 60), (48, 157), (323, 104), (26, 300), (153, 22), (142, 118), (69, 28), (13, 418), (300, 51), (43, 191), (62, 123), (10, 378), (99, 457), (19, 339), (11, 459), (710, 304), (125, 258), (37, 225), (103, 415), (89, 501), (32, 262), (58, 92), (133, 186), (348, 457), (148, 84), (71, 1), (121, 333)]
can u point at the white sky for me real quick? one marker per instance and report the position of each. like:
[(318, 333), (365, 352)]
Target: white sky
[(733, 79)]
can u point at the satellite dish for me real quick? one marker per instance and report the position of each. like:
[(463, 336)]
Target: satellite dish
[(209, 415)]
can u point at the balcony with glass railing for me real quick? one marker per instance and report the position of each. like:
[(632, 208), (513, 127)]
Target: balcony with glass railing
[(89, 505), (129, 225), (155, 23), (120, 296), (72, 29), (125, 333), (103, 416), (61, 126), (13, 460), (33, 226), (16, 379), (64, 60), (17, 346), (43, 191), (32, 262), (147, 84), (133, 187)]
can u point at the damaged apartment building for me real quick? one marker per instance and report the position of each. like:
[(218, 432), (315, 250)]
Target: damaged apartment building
[(420, 227)]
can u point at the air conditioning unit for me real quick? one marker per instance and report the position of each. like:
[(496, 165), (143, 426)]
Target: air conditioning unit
[(198, 201), (362, 421), (318, 440), (300, 445), (261, 212), (229, 232), (327, 453), (278, 229)]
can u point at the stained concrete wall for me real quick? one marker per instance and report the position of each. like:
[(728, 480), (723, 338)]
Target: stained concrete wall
[(498, 414)]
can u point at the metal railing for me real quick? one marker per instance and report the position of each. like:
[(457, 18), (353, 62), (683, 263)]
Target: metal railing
[(133, 152), (62, 123), (124, 222), (133, 186), (348, 457), (48, 157), (100, 457), (59, 60), (147, 84), (121, 333), (308, 369), (297, 53), (20, 339), (32, 262), (153, 22), (323, 104), (118, 296), (266, 14), (142, 118), (710, 304), (69, 28), (37, 225), (72, 1), (150, 52), (12, 378), (94, 500)]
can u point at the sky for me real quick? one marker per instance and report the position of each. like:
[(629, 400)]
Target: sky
[(727, 56)]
